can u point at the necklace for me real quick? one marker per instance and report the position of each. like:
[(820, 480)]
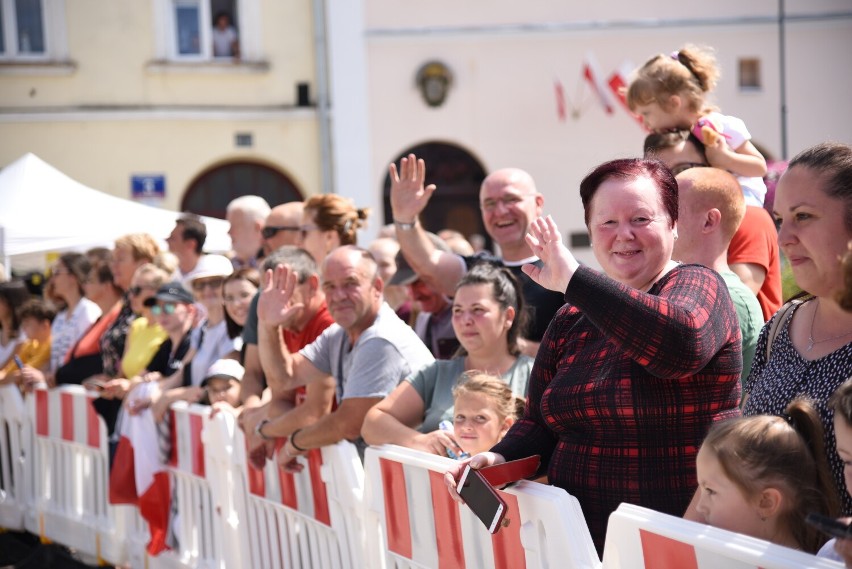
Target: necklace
[(811, 341)]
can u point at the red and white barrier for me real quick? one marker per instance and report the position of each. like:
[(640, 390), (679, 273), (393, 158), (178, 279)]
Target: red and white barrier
[(422, 526), (307, 519), (70, 470), (15, 445), (639, 538)]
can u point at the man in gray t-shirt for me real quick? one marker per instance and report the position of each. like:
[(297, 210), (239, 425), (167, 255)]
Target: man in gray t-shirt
[(368, 350)]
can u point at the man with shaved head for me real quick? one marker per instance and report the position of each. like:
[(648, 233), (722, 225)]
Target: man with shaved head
[(509, 203), (365, 353), (282, 226), (710, 209)]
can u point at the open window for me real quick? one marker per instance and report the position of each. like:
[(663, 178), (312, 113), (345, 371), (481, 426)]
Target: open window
[(32, 30), (207, 30)]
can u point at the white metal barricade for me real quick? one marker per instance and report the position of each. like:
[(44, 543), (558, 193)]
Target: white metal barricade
[(70, 471), (422, 526), (639, 538), (15, 447), (308, 519)]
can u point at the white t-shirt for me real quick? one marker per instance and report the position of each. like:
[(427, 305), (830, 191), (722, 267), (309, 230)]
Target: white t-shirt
[(223, 41), (215, 344), (68, 328), (736, 134)]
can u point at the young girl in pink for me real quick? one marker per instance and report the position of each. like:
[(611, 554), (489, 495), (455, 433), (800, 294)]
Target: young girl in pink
[(670, 92)]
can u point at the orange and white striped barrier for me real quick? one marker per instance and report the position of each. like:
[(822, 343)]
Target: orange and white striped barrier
[(424, 527), (307, 519), (639, 538), (70, 471)]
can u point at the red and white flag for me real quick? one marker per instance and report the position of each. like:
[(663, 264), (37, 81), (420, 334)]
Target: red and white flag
[(139, 477), (618, 85), (592, 74)]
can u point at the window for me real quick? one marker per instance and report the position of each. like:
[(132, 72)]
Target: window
[(207, 30), (750, 74), (22, 29)]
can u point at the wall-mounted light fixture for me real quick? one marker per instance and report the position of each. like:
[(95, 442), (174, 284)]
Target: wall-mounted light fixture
[(434, 80)]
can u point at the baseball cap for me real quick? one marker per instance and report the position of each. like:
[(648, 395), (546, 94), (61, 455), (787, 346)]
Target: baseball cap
[(171, 292), (225, 369)]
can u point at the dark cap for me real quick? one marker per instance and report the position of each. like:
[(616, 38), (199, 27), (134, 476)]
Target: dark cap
[(404, 274), (171, 292)]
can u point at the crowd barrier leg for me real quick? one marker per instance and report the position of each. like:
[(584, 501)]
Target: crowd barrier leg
[(14, 425)]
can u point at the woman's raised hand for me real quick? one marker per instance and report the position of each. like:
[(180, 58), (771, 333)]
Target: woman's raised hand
[(408, 194), (559, 264)]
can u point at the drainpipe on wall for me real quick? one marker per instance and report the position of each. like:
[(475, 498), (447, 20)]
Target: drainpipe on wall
[(321, 58)]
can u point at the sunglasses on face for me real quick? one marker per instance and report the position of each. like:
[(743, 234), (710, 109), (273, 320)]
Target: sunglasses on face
[(198, 285), (165, 308), (271, 231), (137, 290)]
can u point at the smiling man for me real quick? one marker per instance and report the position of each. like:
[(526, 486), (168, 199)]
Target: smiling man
[(368, 350), (509, 202)]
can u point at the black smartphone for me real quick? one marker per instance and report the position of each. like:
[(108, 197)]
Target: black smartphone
[(18, 362), (482, 498), (830, 526)]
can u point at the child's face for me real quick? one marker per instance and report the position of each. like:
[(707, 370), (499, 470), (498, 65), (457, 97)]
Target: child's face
[(35, 329), (657, 119), (721, 502), (476, 425), (843, 437), (221, 389)]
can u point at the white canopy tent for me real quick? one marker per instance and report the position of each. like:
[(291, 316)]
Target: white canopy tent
[(42, 210)]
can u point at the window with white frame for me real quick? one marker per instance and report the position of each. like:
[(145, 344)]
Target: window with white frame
[(32, 31), (22, 29), (207, 30)]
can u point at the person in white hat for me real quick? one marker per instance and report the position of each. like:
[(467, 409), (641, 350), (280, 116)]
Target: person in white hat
[(223, 382), (210, 340)]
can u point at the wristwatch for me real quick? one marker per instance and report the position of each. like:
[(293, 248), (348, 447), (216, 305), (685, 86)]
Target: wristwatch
[(258, 430), (405, 226)]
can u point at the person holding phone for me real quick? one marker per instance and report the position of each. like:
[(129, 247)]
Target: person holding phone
[(32, 358), (488, 309), (640, 362)]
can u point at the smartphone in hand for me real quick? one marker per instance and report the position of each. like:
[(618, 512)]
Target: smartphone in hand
[(18, 362), (93, 384), (830, 526), (482, 498)]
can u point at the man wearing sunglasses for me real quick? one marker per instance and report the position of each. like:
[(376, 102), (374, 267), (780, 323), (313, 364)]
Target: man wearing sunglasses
[(282, 226), (175, 312)]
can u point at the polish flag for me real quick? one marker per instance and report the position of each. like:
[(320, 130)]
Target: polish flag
[(560, 99), (138, 476), (592, 74), (618, 85)]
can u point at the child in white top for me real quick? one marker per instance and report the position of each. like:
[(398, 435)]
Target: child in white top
[(669, 93)]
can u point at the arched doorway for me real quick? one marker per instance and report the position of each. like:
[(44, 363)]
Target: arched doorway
[(455, 204), (212, 191)]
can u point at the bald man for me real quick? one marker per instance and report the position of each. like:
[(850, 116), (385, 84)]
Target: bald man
[(367, 353), (509, 203), (282, 226)]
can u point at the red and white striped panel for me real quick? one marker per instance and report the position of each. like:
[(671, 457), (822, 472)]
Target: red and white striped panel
[(639, 538), (424, 524), (304, 492), (66, 413), (188, 450)]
